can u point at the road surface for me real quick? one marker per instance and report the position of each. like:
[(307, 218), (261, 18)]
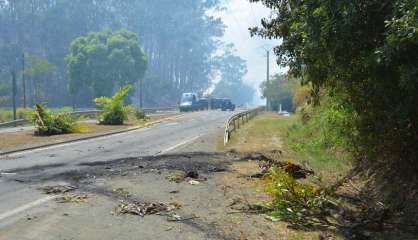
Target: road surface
[(22, 173)]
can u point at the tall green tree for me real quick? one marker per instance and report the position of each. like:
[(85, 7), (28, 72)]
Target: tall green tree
[(365, 53), (105, 60)]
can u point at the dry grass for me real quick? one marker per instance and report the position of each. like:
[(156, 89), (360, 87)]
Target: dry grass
[(264, 134), (259, 135)]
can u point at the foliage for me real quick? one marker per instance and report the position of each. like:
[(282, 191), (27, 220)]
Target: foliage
[(293, 201), (140, 114), (232, 70), (279, 91), (114, 111), (38, 66), (180, 45), (104, 60), (364, 52), (48, 124), (322, 135)]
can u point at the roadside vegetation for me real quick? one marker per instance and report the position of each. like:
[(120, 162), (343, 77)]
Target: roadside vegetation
[(115, 112), (27, 113), (48, 124), (363, 85)]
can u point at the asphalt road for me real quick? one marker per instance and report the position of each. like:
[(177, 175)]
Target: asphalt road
[(20, 172)]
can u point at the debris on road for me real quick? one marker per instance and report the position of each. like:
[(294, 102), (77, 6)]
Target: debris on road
[(191, 177), (122, 192), (192, 174), (193, 182), (142, 209), (73, 198), (57, 189), (176, 177), (177, 218), (270, 159)]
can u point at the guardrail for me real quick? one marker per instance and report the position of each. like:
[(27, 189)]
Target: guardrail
[(89, 113), (234, 122)]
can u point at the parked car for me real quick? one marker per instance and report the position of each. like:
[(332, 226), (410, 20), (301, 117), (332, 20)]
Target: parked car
[(227, 105)]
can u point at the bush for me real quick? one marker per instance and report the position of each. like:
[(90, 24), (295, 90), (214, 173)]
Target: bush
[(48, 124), (293, 202), (114, 111), (140, 114)]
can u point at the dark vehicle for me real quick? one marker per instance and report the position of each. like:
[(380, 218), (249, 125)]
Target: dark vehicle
[(227, 105), (203, 104), (216, 103), (189, 102)]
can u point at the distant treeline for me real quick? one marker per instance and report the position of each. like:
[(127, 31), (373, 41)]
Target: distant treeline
[(179, 38)]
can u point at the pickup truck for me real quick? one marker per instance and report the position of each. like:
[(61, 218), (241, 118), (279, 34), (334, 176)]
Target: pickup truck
[(191, 102)]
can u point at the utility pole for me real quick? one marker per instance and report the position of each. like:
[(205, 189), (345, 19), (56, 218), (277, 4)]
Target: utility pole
[(268, 80), (141, 93), (23, 80), (14, 90)]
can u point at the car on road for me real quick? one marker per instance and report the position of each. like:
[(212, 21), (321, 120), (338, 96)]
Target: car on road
[(227, 105)]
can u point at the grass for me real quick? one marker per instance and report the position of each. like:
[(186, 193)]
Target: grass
[(271, 131), (314, 144), (6, 114)]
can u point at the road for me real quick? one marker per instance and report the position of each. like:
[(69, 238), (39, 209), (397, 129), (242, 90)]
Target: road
[(22, 173)]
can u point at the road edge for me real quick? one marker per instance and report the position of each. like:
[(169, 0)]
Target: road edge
[(148, 125)]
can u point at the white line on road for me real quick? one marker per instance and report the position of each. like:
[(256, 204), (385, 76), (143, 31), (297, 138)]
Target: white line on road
[(26, 207), (178, 145)]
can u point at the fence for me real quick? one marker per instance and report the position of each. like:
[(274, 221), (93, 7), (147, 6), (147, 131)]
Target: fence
[(235, 122)]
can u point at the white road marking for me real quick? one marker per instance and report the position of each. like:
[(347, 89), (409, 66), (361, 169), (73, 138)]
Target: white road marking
[(171, 124), (178, 145), (26, 207)]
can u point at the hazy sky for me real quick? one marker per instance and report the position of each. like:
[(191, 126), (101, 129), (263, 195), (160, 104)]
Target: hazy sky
[(239, 15)]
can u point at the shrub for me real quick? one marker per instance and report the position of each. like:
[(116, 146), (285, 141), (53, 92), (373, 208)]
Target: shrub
[(140, 114), (114, 111), (48, 124), (24, 113), (293, 201)]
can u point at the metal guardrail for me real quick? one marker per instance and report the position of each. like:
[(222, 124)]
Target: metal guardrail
[(88, 113), (234, 122), (14, 123)]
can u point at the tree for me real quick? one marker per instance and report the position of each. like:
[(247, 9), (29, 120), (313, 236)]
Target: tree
[(365, 53), (38, 66), (105, 60), (232, 69), (280, 91), (180, 45)]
